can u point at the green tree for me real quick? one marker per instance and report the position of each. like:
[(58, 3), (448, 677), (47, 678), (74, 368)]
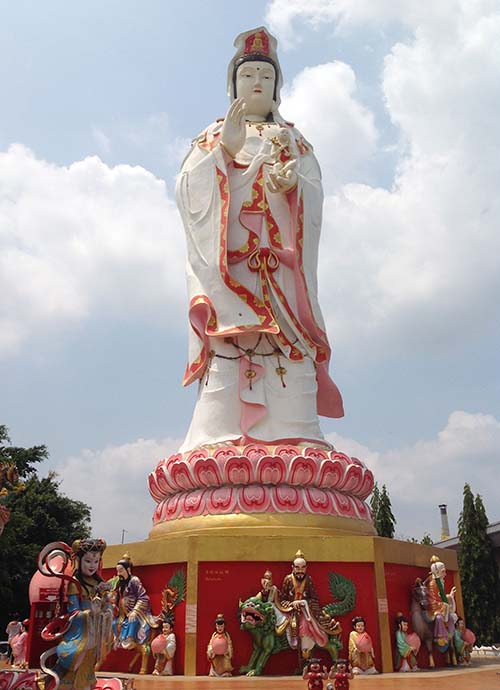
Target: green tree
[(374, 502), (386, 522), (383, 519), (478, 570), (39, 514), (25, 459)]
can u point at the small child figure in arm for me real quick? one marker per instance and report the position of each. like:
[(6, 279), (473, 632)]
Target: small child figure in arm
[(314, 675), (341, 675)]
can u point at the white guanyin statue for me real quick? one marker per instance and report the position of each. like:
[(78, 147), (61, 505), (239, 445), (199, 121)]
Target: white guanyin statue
[(250, 197)]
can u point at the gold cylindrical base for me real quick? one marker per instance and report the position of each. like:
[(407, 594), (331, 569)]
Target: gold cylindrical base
[(263, 524)]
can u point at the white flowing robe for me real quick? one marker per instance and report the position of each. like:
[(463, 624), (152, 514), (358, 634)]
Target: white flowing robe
[(251, 268)]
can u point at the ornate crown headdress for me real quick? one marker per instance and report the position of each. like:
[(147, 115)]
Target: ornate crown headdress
[(252, 44), (82, 546), (126, 561)]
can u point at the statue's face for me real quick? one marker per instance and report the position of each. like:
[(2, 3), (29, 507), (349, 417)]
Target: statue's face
[(359, 627), (266, 583), (299, 568), (404, 626), (89, 563), (122, 572), (220, 627), (255, 84), (341, 667), (166, 629)]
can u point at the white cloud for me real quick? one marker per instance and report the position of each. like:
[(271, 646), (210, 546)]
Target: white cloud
[(421, 476), (79, 240), (283, 16), (113, 481), (322, 100)]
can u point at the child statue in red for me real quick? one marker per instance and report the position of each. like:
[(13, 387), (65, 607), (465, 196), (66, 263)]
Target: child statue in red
[(341, 675), (315, 675)]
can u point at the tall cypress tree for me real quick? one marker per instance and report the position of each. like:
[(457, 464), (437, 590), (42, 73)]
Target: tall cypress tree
[(478, 570), (386, 522), (374, 503)]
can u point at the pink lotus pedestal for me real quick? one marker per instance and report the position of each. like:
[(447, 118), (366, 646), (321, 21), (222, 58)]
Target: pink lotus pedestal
[(259, 481)]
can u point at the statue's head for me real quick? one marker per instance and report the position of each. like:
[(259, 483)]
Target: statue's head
[(220, 623), (438, 568), (401, 623), (254, 73), (299, 566), (267, 581), (315, 665), (255, 613), (124, 567), (87, 554), (167, 627), (358, 624), (341, 665)]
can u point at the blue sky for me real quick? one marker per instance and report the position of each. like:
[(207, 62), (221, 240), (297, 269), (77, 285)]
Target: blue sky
[(100, 101)]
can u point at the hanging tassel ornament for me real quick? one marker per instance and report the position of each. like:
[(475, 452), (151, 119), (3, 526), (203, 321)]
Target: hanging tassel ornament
[(281, 371), (250, 373)]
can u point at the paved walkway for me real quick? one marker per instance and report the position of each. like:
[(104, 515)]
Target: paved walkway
[(483, 675)]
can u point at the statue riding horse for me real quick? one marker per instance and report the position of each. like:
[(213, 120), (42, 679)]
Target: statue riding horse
[(423, 624)]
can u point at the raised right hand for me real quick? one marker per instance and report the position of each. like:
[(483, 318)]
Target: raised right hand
[(233, 130)]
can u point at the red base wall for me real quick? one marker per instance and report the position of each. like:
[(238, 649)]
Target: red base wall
[(220, 587)]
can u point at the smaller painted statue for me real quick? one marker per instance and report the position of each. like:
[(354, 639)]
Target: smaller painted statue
[(19, 646), (463, 641), (133, 625), (163, 647), (84, 634), (361, 654), (269, 591), (220, 650), (441, 608), (314, 674), (407, 646), (341, 675), (308, 624)]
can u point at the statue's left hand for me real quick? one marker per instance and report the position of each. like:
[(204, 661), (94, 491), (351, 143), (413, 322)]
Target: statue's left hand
[(283, 177)]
